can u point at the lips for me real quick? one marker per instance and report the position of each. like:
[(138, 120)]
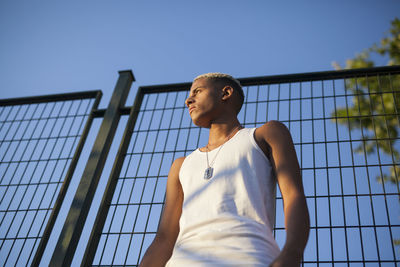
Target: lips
[(191, 109)]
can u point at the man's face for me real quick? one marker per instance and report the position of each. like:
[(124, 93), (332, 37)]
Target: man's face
[(203, 102)]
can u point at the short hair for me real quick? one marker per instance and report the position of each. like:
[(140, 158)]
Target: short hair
[(225, 78)]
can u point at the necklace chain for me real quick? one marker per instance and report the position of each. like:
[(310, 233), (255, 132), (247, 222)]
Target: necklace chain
[(209, 171)]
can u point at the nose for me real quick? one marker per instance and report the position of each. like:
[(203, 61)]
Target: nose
[(188, 101)]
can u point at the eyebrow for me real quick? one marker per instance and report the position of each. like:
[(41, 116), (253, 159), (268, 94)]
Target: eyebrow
[(191, 91)]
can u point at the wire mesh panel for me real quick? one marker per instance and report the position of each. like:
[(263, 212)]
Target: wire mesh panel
[(345, 131), (37, 142), (345, 134)]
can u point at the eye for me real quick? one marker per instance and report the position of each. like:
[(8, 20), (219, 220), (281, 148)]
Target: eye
[(196, 91)]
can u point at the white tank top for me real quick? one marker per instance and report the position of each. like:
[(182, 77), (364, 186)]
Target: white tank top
[(228, 219)]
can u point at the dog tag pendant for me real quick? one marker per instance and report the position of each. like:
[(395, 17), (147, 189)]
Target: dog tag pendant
[(208, 173)]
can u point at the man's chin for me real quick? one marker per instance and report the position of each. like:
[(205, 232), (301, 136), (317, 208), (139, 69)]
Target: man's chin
[(202, 124)]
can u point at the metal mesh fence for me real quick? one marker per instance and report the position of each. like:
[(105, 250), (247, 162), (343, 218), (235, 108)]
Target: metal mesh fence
[(38, 138), (345, 131), (345, 127)]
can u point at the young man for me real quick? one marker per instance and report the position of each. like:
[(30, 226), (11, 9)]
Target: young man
[(220, 199)]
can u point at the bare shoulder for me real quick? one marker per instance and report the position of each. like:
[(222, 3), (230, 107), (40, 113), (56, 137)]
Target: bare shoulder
[(273, 128), (178, 161), (272, 132), (176, 166)]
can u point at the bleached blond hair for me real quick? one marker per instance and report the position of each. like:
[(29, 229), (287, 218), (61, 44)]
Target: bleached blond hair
[(226, 78), (217, 75)]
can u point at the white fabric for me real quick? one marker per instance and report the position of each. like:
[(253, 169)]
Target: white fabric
[(227, 220)]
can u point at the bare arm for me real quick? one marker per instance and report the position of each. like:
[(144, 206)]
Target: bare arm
[(161, 248), (297, 222)]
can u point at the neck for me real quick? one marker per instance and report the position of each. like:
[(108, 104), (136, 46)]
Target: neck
[(219, 132)]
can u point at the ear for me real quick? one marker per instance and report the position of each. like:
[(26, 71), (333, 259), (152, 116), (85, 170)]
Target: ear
[(227, 92)]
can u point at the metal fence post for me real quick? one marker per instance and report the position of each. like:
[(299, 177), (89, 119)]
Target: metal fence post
[(73, 226), (64, 188), (102, 212)]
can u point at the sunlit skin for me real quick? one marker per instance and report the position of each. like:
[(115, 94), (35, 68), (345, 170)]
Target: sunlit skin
[(210, 106), (214, 106)]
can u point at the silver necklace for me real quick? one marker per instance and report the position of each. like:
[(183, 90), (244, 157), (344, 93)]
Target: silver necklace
[(208, 173)]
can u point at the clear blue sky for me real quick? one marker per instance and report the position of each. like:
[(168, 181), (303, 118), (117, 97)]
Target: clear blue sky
[(65, 46)]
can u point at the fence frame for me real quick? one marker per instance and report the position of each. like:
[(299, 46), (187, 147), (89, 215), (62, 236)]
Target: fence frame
[(143, 90), (73, 225), (76, 218), (96, 95)]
